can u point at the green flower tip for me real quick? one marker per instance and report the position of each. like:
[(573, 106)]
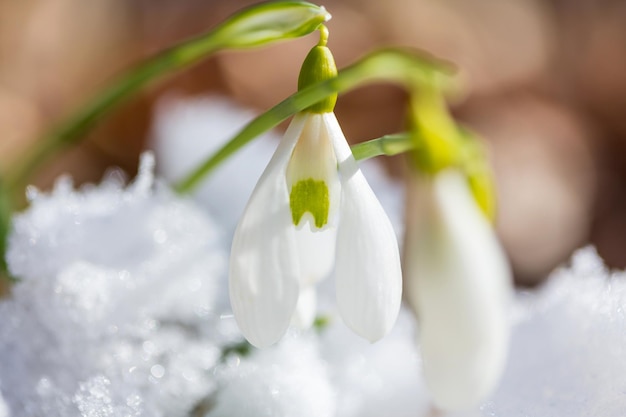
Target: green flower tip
[(310, 196), (478, 172), (272, 21), (434, 131), (462, 150), (319, 65), (483, 190)]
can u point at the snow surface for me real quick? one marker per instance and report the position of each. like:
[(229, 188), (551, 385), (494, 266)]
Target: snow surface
[(114, 314), (121, 309)]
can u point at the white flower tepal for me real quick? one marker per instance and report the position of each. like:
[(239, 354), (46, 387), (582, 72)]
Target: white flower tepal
[(312, 207), (459, 283)]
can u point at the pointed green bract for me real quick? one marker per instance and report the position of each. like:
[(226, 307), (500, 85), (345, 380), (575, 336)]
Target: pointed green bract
[(310, 196), (271, 21)]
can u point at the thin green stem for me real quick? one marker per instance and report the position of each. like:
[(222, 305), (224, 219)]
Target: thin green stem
[(255, 26), (387, 145), (5, 229), (323, 36), (391, 65), (74, 129)]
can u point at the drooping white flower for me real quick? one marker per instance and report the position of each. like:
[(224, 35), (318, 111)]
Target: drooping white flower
[(313, 208), (458, 282)]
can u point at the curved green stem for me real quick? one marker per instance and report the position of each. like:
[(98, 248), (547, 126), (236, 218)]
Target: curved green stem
[(73, 129), (402, 66), (387, 145), (5, 229), (254, 26)]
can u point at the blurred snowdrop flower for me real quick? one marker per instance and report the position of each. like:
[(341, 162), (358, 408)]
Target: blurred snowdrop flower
[(313, 208), (458, 281)]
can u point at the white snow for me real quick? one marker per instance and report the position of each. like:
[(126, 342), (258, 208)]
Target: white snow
[(122, 310), (288, 380), (568, 346), (115, 284)]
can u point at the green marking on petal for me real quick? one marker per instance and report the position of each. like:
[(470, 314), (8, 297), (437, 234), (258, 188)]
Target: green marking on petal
[(312, 196)]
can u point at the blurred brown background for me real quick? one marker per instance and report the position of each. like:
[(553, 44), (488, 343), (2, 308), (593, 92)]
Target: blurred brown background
[(546, 82)]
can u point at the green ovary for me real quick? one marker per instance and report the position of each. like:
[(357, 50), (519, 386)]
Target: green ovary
[(312, 196)]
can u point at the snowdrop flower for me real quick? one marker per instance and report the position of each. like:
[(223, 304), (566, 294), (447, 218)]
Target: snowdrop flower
[(458, 282), (312, 207)]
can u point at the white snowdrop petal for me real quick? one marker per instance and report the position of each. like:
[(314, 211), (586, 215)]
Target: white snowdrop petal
[(459, 283), (368, 273), (264, 266), (367, 265)]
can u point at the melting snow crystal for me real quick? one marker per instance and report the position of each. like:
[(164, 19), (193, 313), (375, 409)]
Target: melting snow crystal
[(110, 316), (287, 380), (568, 346)]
